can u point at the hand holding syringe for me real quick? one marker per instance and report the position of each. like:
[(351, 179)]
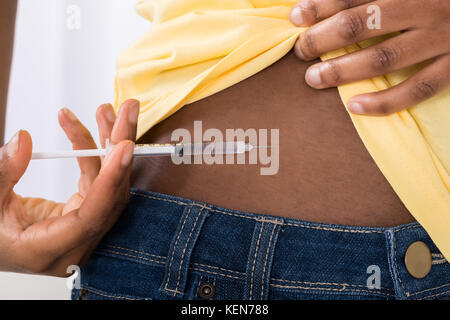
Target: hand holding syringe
[(42, 236)]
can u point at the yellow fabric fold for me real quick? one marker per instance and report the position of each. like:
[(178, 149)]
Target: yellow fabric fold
[(196, 48)]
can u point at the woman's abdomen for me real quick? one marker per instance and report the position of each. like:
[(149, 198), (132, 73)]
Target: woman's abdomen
[(325, 174)]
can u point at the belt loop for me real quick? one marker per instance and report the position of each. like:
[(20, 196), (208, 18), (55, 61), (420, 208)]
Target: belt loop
[(391, 243), (260, 258), (181, 247)]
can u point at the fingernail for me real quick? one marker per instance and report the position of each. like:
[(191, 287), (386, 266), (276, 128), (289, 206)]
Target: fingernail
[(70, 114), (133, 112), (13, 146), (296, 16), (127, 155), (110, 115), (356, 107), (313, 77)]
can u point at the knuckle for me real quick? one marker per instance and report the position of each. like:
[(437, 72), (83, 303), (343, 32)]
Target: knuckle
[(91, 226), (383, 108), (308, 45), (351, 25), (311, 6), (95, 225), (384, 58), (346, 4), (94, 228), (332, 74), (424, 89)]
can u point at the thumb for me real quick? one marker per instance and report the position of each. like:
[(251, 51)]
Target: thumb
[(14, 159)]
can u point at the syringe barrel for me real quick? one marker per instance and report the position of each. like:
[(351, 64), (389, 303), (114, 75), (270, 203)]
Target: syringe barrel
[(214, 148), (154, 150)]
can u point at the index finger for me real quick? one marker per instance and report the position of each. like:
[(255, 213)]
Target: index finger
[(125, 127)]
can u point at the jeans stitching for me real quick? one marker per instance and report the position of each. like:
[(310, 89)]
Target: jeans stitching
[(185, 247), (441, 261), (135, 251), (254, 261), (158, 198), (163, 258), (172, 201), (110, 295), (396, 267), (175, 292), (299, 225), (216, 273), (128, 255), (435, 295), (328, 283), (343, 289), (430, 289), (269, 245), (275, 222), (191, 268), (173, 251), (438, 258), (218, 268), (405, 228)]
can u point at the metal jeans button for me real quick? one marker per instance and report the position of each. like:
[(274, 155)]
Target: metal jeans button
[(206, 290), (418, 260)]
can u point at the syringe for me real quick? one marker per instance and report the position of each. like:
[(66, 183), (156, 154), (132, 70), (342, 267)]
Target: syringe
[(156, 150)]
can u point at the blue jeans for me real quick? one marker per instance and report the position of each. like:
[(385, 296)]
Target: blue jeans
[(165, 247)]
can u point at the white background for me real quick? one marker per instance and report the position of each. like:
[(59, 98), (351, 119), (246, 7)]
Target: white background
[(55, 66)]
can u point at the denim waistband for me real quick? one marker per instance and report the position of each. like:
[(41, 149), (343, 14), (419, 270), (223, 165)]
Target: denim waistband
[(268, 252)]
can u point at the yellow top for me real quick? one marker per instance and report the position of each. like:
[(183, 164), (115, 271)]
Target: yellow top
[(199, 47)]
